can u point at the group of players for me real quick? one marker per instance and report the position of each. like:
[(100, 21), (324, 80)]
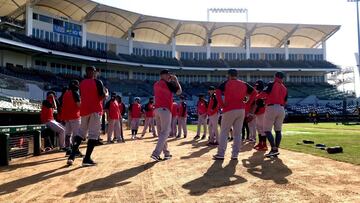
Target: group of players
[(81, 108)]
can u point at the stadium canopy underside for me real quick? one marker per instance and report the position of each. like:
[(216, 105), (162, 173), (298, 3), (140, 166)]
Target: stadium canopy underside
[(110, 21)]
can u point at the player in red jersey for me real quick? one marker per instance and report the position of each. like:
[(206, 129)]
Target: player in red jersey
[(149, 117), (135, 111)]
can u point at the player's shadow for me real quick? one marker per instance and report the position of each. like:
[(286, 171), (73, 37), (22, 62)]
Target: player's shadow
[(29, 164), (14, 185), (187, 142), (215, 177), (267, 169), (246, 146), (203, 150), (114, 180)]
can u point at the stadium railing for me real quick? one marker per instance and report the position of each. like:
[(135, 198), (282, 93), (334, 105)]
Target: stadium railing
[(19, 141)]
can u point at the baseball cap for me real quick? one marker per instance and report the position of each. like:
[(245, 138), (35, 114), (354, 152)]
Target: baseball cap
[(232, 72), (137, 99), (165, 71), (91, 68), (113, 94), (212, 88), (280, 75)]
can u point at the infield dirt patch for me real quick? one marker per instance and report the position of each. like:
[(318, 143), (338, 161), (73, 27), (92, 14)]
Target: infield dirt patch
[(125, 173)]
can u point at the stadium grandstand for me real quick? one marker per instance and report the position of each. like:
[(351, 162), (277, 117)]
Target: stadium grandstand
[(45, 43)]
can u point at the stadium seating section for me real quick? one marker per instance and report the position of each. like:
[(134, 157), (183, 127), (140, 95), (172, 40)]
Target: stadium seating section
[(166, 61)]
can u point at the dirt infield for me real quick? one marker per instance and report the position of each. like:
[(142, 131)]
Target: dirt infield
[(125, 173)]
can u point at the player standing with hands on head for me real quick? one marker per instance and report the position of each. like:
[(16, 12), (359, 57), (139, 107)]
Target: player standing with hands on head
[(276, 98), (213, 112), (234, 91), (92, 94), (113, 115), (182, 117), (47, 118), (163, 92), (135, 111), (149, 118)]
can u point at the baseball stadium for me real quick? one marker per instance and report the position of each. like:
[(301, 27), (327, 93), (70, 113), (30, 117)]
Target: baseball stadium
[(103, 104)]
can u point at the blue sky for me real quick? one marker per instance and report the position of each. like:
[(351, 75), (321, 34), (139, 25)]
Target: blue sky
[(340, 47)]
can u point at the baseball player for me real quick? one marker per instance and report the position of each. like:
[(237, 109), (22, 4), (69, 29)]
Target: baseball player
[(202, 116), (182, 117), (174, 119), (113, 115), (47, 117), (260, 116), (234, 91), (149, 117), (71, 113), (92, 94), (250, 118), (135, 111), (213, 112), (276, 98), (163, 91), (122, 109)]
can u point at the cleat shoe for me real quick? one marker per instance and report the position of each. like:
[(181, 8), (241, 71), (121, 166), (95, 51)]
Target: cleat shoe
[(168, 157), (178, 137), (70, 162), (234, 158), (197, 137), (203, 137), (88, 162), (156, 158), (262, 148), (217, 157), (185, 136), (272, 153)]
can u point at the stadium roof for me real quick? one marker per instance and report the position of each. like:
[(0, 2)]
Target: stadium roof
[(110, 21)]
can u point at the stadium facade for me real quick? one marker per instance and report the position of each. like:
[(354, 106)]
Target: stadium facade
[(132, 43)]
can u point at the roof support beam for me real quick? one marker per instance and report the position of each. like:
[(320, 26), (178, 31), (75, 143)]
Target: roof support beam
[(248, 35), (288, 35), (90, 14), (174, 33), (325, 37), (131, 28)]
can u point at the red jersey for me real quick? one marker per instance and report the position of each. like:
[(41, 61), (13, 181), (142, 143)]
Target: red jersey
[(201, 107), (121, 109), (91, 101), (47, 111), (163, 92), (114, 110), (70, 110), (182, 109), (174, 109), (276, 92), (135, 110), (234, 92), (260, 104), (213, 107), (149, 110)]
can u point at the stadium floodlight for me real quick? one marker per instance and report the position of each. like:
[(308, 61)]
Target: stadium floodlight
[(358, 29), (228, 10)]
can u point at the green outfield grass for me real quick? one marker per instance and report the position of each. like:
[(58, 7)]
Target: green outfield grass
[(325, 133)]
